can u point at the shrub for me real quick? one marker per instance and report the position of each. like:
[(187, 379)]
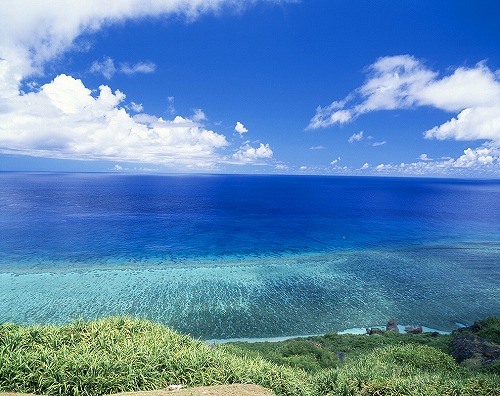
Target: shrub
[(300, 353), (410, 370), (490, 329), (324, 382)]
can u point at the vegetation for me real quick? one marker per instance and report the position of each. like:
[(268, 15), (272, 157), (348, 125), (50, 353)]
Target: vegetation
[(123, 354), (488, 328), (329, 351)]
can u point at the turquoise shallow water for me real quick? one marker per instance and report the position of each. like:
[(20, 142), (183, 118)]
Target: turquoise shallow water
[(229, 257)]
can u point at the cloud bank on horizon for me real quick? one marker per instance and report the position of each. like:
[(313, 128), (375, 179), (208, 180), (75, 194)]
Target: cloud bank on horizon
[(404, 82), (64, 119)]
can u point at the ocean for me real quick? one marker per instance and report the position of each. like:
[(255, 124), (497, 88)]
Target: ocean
[(237, 256)]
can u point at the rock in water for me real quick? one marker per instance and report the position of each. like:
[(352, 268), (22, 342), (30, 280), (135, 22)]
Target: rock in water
[(413, 329), (392, 325)]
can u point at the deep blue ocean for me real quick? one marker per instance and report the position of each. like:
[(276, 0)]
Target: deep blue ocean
[(227, 256)]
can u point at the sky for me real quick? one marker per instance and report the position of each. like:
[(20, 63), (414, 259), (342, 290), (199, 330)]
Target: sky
[(330, 87)]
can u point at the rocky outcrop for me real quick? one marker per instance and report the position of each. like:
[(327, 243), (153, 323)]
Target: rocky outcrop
[(413, 329), (470, 346), (474, 328), (392, 325), (374, 331)]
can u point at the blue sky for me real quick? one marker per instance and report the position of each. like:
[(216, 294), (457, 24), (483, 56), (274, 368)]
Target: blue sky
[(399, 88)]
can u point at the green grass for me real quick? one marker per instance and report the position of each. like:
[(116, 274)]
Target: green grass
[(393, 364), (123, 354), (489, 329), (410, 370), (304, 354), (318, 352)]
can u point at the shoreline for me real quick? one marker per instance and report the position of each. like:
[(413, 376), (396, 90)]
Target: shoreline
[(352, 331)]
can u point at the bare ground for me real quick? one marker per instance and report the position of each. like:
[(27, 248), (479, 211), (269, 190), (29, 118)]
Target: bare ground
[(219, 390)]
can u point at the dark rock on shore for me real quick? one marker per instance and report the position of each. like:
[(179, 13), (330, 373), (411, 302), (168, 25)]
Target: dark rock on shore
[(470, 346), (474, 328), (413, 329), (374, 331), (392, 325)]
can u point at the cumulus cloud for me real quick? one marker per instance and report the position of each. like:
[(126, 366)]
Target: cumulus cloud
[(475, 158), (240, 128), (365, 166), (402, 82), (252, 155), (356, 137), (484, 159), (470, 124), (376, 144), (64, 120)]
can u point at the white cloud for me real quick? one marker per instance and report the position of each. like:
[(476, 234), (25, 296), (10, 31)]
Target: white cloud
[(326, 116), (64, 120), (317, 148), (400, 82), (107, 68), (386, 168), (484, 159), (137, 107), (376, 144), (240, 128), (247, 154), (140, 67), (334, 162), (356, 137), (281, 167), (34, 32), (470, 124), (476, 87), (199, 115), (478, 158), (170, 106)]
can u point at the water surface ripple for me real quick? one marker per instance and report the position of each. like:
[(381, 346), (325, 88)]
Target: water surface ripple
[(222, 256)]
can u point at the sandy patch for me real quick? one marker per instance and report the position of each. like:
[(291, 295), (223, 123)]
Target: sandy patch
[(219, 390)]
